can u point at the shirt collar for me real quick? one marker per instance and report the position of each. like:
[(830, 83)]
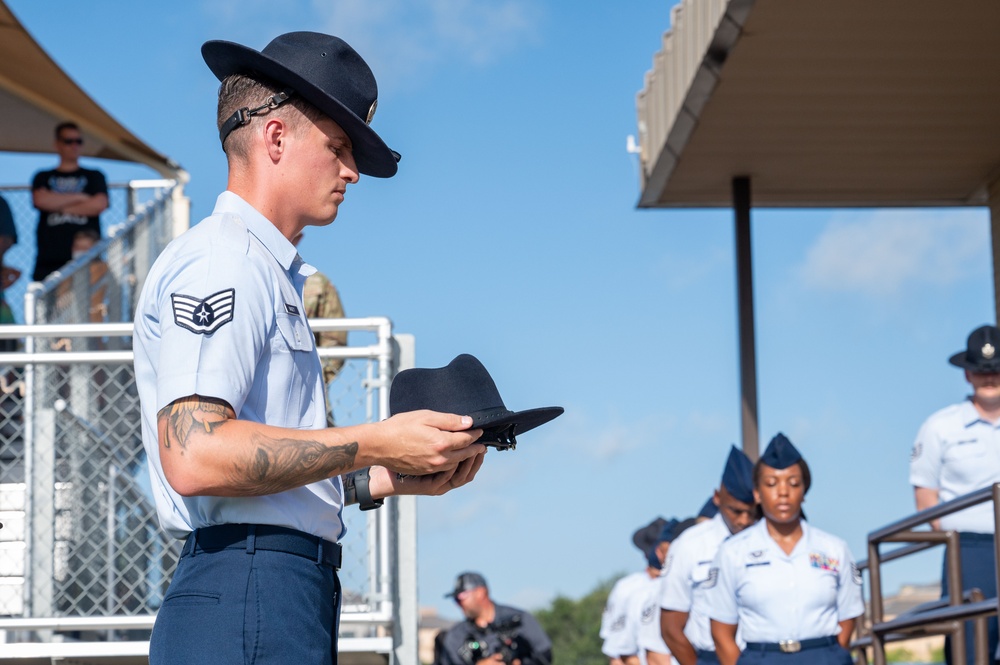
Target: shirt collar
[(969, 414), (267, 233)]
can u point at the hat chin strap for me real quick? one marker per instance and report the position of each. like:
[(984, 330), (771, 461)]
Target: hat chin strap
[(242, 116)]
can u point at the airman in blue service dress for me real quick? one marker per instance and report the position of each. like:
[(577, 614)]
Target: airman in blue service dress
[(791, 606), (242, 465), (620, 620), (686, 573), (650, 637), (957, 451)]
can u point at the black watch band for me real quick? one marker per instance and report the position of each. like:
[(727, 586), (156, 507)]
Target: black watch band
[(362, 478)]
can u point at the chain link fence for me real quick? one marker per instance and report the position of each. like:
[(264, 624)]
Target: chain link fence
[(80, 536)]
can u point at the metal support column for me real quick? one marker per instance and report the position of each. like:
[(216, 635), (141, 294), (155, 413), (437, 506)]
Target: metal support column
[(744, 301), (994, 190)]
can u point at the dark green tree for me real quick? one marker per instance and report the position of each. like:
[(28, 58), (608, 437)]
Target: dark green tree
[(574, 626)]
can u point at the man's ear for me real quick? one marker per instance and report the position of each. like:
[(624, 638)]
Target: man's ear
[(275, 135)]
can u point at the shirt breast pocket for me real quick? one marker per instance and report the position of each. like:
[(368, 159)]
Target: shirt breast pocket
[(700, 573), (294, 334)]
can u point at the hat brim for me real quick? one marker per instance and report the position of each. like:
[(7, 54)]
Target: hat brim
[(960, 359), (372, 156), (523, 421)]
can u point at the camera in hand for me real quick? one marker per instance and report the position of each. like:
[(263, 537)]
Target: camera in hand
[(500, 639)]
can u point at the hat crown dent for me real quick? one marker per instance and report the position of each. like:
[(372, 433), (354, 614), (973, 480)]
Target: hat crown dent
[(455, 388), (321, 52)]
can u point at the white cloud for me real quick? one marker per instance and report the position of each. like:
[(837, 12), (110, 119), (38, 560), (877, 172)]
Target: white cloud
[(400, 38), (682, 272), (883, 252)]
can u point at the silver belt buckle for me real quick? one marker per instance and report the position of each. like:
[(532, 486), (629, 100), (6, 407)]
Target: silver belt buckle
[(790, 646)]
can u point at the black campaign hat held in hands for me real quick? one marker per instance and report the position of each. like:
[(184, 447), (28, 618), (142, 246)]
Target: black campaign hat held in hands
[(464, 387), (983, 353), (323, 70)]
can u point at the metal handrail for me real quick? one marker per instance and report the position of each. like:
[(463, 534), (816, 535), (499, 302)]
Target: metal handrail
[(941, 618)]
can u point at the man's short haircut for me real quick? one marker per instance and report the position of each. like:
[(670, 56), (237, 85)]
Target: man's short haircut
[(242, 91), (65, 125)]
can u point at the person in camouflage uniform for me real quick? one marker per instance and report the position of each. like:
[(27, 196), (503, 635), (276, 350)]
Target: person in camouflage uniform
[(323, 302)]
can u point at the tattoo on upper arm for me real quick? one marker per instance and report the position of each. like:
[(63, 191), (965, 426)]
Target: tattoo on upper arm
[(180, 418)]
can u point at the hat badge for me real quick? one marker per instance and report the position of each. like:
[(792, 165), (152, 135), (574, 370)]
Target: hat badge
[(988, 351), (371, 113)]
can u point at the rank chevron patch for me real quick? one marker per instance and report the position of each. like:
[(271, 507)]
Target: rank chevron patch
[(203, 315)]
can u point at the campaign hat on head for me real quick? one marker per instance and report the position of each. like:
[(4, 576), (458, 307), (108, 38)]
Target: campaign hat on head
[(982, 355), (737, 477), (646, 537), (465, 582), (780, 453), (464, 387), (326, 72), (709, 510)]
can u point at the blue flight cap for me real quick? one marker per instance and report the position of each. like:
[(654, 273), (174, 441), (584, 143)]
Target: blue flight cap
[(738, 475), (780, 453), (709, 510)]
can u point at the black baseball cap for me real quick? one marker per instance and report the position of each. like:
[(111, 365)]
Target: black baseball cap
[(465, 582)]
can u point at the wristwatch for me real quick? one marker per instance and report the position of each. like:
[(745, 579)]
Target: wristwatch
[(362, 478)]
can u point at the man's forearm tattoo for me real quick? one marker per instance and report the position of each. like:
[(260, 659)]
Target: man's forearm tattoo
[(275, 464), (267, 464)]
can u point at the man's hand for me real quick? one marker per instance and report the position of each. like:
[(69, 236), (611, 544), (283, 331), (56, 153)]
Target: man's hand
[(420, 443), (388, 483), (495, 658)]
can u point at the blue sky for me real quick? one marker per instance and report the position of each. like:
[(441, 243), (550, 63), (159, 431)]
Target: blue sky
[(511, 233)]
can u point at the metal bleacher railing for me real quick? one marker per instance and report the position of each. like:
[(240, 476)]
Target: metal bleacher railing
[(945, 617), (83, 563)]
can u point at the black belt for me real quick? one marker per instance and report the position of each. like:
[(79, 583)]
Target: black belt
[(707, 656), (263, 537), (792, 646)]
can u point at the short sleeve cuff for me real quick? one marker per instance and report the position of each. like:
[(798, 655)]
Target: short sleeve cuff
[(206, 384)]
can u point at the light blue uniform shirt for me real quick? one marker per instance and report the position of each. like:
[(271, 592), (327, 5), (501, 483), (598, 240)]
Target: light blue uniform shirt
[(221, 316), (650, 635), (685, 574), (617, 627), (775, 596), (957, 452)]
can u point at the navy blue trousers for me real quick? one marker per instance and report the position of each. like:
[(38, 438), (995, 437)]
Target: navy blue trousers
[(828, 655), (234, 607), (979, 570), (707, 658)]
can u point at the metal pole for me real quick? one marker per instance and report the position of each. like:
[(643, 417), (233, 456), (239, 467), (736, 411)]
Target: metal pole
[(744, 301), (875, 581), (953, 568), (994, 203), (110, 577)]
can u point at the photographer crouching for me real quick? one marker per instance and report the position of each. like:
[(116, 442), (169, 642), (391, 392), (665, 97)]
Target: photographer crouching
[(491, 633)]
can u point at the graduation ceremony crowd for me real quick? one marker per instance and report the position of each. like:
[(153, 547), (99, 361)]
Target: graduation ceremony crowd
[(749, 580)]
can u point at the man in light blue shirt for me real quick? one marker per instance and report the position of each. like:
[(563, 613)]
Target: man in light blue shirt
[(233, 418), (957, 451), (684, 616)]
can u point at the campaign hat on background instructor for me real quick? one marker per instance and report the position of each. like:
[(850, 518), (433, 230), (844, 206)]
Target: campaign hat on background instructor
[(982, 355), (326, 72)]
